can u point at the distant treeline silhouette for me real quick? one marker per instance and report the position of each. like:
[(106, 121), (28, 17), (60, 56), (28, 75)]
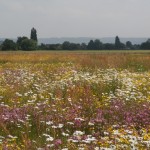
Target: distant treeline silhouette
[(24, 43)]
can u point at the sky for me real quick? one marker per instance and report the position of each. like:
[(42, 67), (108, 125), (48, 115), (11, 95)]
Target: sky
[(75, 18)]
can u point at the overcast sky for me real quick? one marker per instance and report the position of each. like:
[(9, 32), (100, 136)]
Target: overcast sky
[(75, 18)]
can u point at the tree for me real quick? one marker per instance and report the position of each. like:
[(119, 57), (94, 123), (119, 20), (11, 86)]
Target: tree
[(1, 45), (33, 34), (23, 43), (118, 44), (109, 46), (9, 45), (70, 46), (98, 45), (66, 45), (90, 45), (74, 46), (146, 45), (28, 44), (83, 46), (129, 45), (19, 41)]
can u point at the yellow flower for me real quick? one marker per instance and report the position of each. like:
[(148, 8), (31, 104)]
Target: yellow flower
[(146, 137)]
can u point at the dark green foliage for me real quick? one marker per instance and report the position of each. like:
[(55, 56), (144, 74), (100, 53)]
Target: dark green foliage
[(95, 45), (83, 46), (24, 43), (122, 46), (28, 44), (74, 46), (66, 45), (129, 45), (70, 46), (50, 47), (109, 46), (117, 43), (9, 45), (146, 45), (0, 45), (19, 41), (33, 34), (98, 45), (90, 45)]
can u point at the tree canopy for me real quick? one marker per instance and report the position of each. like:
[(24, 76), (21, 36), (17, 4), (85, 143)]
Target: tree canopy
[(33, 35), (145, 45), (28, 44), (9, 45)]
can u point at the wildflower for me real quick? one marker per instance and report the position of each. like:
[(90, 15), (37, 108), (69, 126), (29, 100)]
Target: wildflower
[(49, 122), (76, 133), (49, 139), (91, 124), (65, 134), (60, 125), (57, 142)]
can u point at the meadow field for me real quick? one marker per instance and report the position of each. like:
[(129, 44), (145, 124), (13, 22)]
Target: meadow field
[(81, 100)]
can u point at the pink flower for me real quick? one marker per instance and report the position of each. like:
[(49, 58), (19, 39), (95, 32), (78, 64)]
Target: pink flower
[(57, 142)]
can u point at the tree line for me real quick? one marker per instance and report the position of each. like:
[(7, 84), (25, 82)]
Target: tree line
[(97, 45), (24, 43)]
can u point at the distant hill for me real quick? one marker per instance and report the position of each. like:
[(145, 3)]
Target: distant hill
[(85, 40)]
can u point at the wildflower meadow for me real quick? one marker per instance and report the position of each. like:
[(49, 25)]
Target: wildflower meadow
[(74, 101)]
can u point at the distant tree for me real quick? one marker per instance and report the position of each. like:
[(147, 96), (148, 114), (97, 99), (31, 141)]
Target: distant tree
[(95, 45), (70, 46), (19, 41), (136, 46), (90, 45), (28, 44), (42, 46), (117, 43), (1, 45), (66, 45), (129, 45), (98, 45), (146, 45), (83, 46), (74, 46), (109, 46), (53, 46), (122, 46), (33, 34), (9, 45)]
